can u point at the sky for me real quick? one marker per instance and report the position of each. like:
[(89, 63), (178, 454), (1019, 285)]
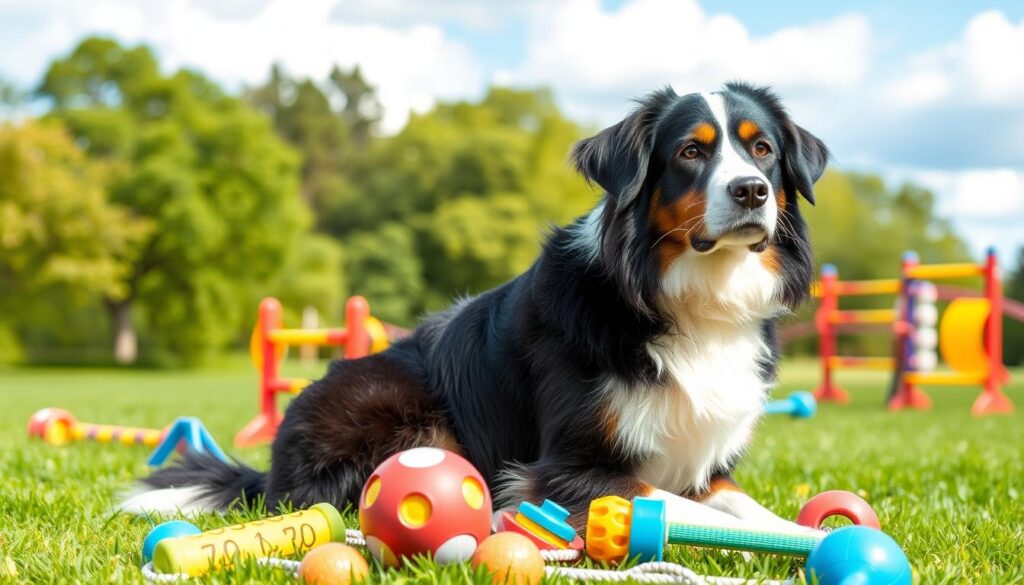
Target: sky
[(931, 92)]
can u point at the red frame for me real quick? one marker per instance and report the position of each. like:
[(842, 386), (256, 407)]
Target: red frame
[(355, 338)]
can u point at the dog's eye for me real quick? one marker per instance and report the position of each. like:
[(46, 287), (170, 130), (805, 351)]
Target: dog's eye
[(762, 148), (689, 152)]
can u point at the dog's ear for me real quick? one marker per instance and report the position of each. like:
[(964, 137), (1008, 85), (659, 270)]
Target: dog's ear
[(803, 160), (617, 158)]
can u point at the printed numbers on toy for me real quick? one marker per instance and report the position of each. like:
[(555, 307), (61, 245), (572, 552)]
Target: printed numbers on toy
[(265, 546), (229, 550), (213, 552), (290, 531), (310, 533)]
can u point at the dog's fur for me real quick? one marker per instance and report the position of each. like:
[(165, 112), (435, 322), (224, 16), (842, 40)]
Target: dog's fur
[(632, 358)]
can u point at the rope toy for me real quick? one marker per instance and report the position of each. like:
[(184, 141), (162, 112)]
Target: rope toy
[(652, 572)]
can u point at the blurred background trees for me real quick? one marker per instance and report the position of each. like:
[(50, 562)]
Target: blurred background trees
[(146, 212)]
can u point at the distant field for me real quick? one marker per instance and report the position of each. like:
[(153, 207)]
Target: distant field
[(947, 486)]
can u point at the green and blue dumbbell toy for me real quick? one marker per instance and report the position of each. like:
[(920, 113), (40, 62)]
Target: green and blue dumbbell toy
[(852, 555)]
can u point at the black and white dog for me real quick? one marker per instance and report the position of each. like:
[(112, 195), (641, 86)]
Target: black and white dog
[(633, 357)]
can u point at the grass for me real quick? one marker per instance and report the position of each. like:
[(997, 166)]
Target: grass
[(945, 485)]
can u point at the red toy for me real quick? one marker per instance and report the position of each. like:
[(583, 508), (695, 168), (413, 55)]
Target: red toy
[(424, 501), (837, 503)]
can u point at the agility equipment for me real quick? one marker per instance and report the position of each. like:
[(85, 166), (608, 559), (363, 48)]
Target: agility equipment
[(853, 554), (830, 321), (269, 344), (57, 426), (970, 337), (797, 405), (286, 534)]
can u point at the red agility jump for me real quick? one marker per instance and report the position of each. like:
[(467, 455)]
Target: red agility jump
[(362, 336), (830, 321), (970, 338)]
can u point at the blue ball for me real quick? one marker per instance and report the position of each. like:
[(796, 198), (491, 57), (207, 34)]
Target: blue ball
[(171, 529), (858, 555), (804, 404)]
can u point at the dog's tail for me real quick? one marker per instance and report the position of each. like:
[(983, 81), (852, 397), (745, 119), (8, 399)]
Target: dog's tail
[(197, 483)]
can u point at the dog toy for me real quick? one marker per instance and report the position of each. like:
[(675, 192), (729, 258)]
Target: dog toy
[(280, 535), (796, 405), (57, 426), (333, 563), (837, 503), (424, 501), (171, 529), (853, 554), (510, 558), (544, 525)]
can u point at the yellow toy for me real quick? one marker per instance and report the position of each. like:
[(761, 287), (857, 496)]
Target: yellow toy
[(283, 535)]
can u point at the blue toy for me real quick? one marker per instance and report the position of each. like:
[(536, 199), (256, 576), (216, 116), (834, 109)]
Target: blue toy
[(852, 555), (172, 529), (797, 405), (858, 555), (189, 432)]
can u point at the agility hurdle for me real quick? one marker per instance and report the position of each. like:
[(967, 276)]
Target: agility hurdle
[(970, 338), (830, 321), (269, 344)]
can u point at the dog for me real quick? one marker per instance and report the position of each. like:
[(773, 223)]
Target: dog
[(632, 358)]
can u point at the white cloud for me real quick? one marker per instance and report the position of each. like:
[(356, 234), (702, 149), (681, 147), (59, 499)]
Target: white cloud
[(986, 205), (983, 66), (583, 50), (235, 42), (474, 14)]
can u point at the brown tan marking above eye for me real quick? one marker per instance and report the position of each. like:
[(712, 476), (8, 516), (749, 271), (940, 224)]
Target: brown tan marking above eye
[(747, 129), (704, 133)]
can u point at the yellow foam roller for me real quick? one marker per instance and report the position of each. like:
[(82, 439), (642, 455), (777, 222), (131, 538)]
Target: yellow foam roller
[(283, 535), (962, 335)]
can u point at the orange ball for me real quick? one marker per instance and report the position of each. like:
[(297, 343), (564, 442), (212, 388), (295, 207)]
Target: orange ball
[(333, 563), (511, 558)]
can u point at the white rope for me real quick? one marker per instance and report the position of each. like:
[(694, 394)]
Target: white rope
[(654, 572)]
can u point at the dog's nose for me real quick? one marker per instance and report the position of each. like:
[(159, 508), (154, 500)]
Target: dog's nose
[(750, 192)]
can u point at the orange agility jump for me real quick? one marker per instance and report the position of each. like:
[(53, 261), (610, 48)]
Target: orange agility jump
[(269, 343)]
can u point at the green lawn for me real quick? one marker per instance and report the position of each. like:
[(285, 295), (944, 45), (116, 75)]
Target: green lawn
[(945, 485)]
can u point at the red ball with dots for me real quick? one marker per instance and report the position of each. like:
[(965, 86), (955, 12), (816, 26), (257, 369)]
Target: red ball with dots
[(424, 501)]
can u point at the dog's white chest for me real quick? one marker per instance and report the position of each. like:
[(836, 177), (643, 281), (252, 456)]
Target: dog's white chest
[(703, 414)]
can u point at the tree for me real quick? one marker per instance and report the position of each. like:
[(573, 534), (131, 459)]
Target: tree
[(207, 172), (58, 232), (1013, 331), (329, 126), (476, 184)]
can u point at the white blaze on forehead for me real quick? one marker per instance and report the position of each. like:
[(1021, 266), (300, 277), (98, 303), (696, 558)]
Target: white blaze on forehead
[(421, 457), (730, 165)]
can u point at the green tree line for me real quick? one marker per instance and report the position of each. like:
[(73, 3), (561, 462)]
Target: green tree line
[(146, 212)]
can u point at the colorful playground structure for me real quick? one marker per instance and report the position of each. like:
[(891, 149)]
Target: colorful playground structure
[(969, 336), (269, 344)]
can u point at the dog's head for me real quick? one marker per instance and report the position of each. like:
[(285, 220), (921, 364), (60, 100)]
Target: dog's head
[(703, 180)]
